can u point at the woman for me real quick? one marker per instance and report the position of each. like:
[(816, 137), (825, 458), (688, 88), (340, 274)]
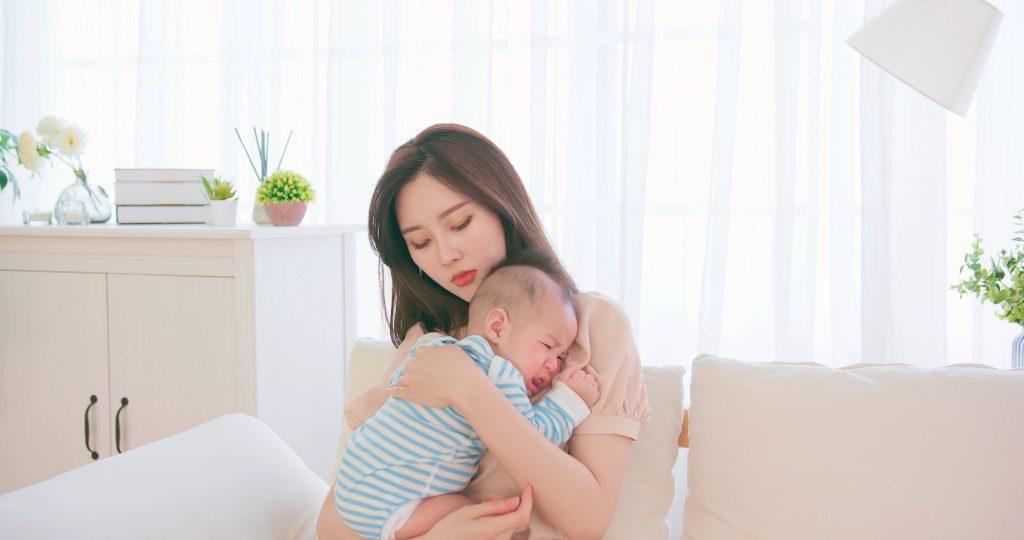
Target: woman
[(448, 207)]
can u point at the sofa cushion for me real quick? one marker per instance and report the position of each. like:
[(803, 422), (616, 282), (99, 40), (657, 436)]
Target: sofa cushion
[(868, 451), (648, 486), (231, 477)]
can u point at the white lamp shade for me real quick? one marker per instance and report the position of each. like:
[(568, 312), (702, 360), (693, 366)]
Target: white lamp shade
[(938, 47)]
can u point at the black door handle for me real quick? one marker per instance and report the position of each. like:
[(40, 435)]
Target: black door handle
[(93, 453), (117, 424)]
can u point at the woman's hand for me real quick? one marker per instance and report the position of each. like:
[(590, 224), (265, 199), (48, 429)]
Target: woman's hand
[(496, 518), (436, 377)]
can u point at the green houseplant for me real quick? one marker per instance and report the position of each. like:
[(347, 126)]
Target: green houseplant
[(1000, 281), (285, 195), (223, 203)]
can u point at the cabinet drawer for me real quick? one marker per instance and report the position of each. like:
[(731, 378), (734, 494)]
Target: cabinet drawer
[(172, 256)]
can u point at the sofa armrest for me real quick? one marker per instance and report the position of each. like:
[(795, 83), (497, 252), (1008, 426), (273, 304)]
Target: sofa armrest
[(232, 477)]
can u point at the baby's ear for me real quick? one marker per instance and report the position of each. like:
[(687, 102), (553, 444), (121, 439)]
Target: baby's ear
[(496, 324)]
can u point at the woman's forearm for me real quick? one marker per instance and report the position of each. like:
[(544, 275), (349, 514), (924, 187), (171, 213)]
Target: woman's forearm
[(575, 500)]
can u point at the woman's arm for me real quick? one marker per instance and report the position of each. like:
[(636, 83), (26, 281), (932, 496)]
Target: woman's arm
[(576, 492)]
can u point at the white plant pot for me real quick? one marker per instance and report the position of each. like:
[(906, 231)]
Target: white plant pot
[(222, 213), (259, 214)]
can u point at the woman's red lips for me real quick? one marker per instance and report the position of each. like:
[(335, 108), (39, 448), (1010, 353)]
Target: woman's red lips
[(464, 278)]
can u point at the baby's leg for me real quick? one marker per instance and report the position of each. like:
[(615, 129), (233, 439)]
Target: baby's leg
[(429, 512)]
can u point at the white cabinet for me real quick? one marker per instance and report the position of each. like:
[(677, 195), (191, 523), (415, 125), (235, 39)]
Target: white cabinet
[(168, 326)]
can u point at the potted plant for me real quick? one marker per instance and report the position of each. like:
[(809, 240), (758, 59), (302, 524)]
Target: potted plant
[(1000, 283), (223, 203), (262, 149), (285, 195)]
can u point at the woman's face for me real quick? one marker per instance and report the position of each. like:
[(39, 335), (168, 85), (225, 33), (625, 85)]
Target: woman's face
[(450, 238)]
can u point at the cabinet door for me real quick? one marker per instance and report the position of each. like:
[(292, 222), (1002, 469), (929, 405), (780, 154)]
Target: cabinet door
[(53, 357), (173, 354)]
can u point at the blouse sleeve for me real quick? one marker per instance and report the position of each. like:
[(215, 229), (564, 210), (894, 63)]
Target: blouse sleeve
[(605, 345)]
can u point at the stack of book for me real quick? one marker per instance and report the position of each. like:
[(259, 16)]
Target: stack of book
[(160, 195)]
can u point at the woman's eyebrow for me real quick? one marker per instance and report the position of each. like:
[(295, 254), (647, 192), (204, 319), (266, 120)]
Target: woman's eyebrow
[(442, 215)]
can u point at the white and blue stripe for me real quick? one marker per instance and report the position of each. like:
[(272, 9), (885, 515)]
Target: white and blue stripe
[(407, 452)]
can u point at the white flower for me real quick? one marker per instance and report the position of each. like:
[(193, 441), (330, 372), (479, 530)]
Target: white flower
[(49, 127), (28, 154), (70, 141)]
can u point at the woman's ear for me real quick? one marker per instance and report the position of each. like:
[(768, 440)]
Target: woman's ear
[(495, 325)]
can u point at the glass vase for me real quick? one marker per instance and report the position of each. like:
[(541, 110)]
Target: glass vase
[(81, 194)]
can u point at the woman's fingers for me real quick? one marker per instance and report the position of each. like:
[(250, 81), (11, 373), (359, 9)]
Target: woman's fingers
[(526, 506), (510, 521), (493, 507)]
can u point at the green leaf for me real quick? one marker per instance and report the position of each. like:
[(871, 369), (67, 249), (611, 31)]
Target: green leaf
[(206, 187), (3, 179)]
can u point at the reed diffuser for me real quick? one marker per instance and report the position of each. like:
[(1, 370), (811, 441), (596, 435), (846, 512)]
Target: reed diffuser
[(261, 139)]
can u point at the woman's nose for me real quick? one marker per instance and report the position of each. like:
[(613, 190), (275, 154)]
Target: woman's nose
[(448, 251)]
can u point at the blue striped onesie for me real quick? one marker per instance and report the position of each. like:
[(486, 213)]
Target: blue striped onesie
[(405, 452)]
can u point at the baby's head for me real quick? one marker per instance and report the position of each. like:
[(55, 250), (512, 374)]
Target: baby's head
[(527, 314)]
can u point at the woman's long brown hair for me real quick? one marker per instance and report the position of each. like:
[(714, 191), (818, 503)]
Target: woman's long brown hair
[(468, 163)]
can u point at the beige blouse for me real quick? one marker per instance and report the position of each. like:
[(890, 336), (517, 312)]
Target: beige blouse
[(605, 345)]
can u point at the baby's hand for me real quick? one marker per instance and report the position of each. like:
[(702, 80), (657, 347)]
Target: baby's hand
[(581, 382)]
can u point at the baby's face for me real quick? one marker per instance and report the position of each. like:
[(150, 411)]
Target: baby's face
[(538, 345)]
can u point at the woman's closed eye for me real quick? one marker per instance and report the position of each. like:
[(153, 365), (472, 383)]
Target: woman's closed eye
[(463, 225)]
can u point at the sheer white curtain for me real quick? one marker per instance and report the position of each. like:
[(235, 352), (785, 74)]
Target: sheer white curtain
[(730, 171)]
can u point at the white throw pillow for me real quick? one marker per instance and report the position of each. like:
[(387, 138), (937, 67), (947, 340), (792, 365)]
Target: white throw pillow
[(232, 477), (648, 486), (869, 451)]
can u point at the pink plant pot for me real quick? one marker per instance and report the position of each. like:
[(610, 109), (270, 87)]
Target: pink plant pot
[(286, 214)]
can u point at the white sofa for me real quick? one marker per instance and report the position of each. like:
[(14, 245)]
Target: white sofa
[(776, 451), (234, 477)]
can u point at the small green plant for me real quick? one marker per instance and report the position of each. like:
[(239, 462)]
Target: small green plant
[(284, 186), (220, 190), (1001, 281)]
